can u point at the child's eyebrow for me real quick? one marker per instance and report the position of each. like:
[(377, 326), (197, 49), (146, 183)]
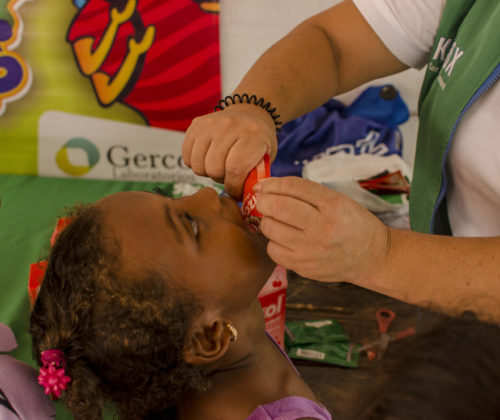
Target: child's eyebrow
[(173, 226)]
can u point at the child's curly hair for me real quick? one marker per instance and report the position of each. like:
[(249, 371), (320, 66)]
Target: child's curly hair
[(123, 338)]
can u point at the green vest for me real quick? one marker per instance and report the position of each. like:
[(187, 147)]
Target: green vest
[(464, 63)]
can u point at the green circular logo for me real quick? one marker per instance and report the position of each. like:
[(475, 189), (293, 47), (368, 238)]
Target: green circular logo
[(82, 144)]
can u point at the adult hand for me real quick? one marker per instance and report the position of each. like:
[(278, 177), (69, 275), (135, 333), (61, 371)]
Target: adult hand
[(228, 144), (319, 233)]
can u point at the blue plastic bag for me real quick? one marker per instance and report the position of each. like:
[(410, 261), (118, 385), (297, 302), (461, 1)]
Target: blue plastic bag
[(368, 125)]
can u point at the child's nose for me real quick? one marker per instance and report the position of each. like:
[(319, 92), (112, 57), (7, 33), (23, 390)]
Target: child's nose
[(209, 197)]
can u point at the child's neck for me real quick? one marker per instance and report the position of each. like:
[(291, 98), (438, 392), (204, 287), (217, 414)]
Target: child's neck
[(253, 372)]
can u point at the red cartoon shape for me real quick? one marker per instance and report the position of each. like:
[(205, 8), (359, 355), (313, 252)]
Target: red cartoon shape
[(160, 57)]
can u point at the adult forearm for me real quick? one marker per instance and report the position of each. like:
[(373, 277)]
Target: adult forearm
[(446, 273), (297, 74), (328, 54)]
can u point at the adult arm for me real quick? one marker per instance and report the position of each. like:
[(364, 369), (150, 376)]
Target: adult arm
[(327, 54), (324, 235)]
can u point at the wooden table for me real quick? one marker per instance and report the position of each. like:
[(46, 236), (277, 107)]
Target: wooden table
[(354, 309)]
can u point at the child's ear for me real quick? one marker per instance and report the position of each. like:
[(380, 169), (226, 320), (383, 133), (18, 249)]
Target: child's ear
[(209, 343)]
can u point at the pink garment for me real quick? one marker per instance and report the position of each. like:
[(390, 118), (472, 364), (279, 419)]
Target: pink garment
[(20, 395), (290, 408)]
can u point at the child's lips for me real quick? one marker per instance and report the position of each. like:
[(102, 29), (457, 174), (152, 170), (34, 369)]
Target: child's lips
[(251, 223)]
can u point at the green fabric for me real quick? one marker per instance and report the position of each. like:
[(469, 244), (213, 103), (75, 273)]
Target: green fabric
[(29, 209), (467, 26)]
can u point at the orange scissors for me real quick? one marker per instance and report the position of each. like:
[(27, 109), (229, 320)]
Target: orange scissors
[(384, 320)]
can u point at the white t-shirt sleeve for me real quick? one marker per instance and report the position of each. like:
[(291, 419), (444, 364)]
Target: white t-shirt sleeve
[(406, 27)]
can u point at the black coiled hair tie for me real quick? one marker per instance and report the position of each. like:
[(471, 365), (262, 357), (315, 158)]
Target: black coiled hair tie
[(245, 99)]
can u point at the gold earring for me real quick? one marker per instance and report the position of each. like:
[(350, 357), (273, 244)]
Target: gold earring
[(232, 330)]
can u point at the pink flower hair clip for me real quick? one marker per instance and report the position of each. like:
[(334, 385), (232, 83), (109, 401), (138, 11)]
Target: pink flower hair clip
[(53, 373)]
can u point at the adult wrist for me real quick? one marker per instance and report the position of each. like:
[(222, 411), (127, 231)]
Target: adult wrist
[(377, 277), (245, 98)]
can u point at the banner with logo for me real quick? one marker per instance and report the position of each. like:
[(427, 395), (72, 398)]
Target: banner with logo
[(104, 88), (96, 148)]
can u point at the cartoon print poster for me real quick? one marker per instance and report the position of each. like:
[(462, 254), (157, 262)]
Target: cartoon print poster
[(149, 62), (15, 75)]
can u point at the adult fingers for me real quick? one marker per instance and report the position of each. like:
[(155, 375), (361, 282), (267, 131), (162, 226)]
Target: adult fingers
[(301, 189), (187, 147), (216, 156), (281, 233), (291, 259), (194, 134), (244, 155), (198, 155), (201, 135), (289, 210), (280, 254)]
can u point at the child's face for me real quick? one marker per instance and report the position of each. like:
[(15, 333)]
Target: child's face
[(201, 242)]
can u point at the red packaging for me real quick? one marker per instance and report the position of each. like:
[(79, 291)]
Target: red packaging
[(61, 224), (249, 209), (37, 272), (272, 298)]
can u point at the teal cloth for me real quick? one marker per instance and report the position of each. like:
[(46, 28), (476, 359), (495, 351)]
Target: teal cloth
[(29, 209)]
